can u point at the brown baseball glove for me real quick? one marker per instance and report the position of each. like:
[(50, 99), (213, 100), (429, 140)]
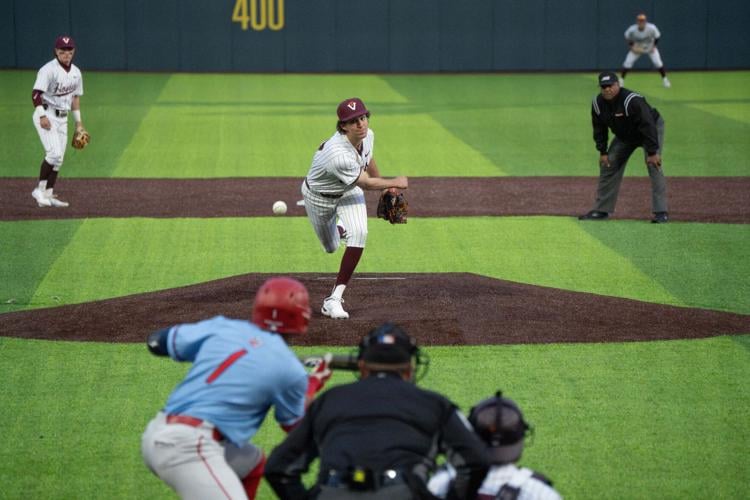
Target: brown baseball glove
[(393, 207), (80, 138)]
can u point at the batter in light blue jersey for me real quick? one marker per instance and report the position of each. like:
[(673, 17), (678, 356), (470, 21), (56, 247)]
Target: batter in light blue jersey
[(199, 443)]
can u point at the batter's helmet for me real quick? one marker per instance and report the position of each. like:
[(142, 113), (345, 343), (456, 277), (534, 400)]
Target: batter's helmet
[(282, 305), (500, 424)]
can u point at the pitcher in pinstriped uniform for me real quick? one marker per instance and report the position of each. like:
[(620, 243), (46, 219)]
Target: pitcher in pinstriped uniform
[(341, 168)]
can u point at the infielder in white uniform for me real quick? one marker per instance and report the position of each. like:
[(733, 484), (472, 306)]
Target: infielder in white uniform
[(642, 38), (57, 92), (341, 168)]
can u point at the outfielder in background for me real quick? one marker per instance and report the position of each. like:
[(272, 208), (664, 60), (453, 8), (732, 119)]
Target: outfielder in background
[(634, 124), (199, 442), (57, 92), (341, 168), (643, 37)]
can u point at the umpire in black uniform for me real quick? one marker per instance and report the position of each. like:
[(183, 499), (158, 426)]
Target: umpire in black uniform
[(378, 438), (635, 124)]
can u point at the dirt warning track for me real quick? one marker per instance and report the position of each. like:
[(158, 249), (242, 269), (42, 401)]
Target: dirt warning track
[(697, 199)]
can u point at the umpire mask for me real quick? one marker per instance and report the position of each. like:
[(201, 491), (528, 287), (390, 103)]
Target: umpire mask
[(388, 344)]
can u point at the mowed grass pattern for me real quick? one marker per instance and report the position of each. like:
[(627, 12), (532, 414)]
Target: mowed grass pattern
[(638, 420), (697, 265), (198, 125), (606, 416)]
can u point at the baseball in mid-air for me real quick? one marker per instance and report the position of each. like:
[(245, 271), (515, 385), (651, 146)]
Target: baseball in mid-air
[(279, 208)]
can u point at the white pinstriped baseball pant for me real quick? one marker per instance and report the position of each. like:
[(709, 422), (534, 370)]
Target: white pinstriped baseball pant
[(54, 140), (632, 57), (351, 211)]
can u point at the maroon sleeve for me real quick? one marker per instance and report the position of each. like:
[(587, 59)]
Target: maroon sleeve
[(36, 97)]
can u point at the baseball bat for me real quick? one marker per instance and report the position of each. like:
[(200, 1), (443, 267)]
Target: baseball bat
[(338, 362)]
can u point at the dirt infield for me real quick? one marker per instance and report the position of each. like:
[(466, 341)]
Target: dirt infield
[(438, 309), (700, 199)]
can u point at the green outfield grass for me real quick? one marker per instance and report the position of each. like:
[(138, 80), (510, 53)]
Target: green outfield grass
[(636, 420), (699, 265), (187, 125), (642, 420)]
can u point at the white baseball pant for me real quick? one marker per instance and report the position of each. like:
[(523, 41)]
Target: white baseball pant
[(54, 140), (632, 57), (193, 463), (350, 209)]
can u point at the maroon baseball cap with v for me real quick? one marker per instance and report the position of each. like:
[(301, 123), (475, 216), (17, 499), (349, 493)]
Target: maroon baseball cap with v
[(350, 109), (65, 42)]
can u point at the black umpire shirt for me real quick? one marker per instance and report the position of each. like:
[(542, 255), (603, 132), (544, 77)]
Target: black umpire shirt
[(629, 116), (380, 422)]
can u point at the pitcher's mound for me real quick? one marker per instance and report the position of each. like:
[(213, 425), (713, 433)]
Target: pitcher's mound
[(451, 308)]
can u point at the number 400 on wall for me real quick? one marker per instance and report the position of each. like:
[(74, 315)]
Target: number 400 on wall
[(259, 14)]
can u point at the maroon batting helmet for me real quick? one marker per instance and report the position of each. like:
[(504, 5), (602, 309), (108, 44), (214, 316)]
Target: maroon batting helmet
[(282, 305)]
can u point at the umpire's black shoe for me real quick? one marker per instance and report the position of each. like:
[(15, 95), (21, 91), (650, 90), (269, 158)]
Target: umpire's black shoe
[(660, 218), (594, 215)]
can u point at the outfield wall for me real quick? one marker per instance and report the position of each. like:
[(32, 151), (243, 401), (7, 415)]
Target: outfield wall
[(370, 35)]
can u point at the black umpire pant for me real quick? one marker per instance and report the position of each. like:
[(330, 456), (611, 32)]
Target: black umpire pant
[(610, 177), (395, 492)]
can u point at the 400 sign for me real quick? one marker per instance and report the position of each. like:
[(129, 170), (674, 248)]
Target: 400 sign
[(259, 14)]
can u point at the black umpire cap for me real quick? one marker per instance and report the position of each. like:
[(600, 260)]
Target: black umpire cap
[(387, 344), (607, 78)]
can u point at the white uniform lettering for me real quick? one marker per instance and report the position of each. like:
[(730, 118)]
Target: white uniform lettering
[(58, 87)]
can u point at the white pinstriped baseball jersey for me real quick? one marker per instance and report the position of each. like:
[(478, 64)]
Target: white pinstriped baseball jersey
[(643, 39), (57, 85), (337, 164)]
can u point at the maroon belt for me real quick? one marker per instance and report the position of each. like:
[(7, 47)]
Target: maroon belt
[(193, 422)]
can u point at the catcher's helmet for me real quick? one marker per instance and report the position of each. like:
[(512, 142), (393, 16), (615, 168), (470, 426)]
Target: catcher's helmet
[(500, 424), (282, 305)]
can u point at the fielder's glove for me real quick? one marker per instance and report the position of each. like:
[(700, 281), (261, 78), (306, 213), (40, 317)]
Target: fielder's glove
[(80, 138), (393, 207)]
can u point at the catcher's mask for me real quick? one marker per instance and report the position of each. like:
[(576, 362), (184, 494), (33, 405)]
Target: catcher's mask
[(500, 424), (388, 344), (282, 305)]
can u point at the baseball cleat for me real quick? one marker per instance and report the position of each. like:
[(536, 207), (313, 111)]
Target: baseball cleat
[(301, 203), (40, 198), (333, 309), (666, 82), (57, 203), (660, 218), (594, 215)]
